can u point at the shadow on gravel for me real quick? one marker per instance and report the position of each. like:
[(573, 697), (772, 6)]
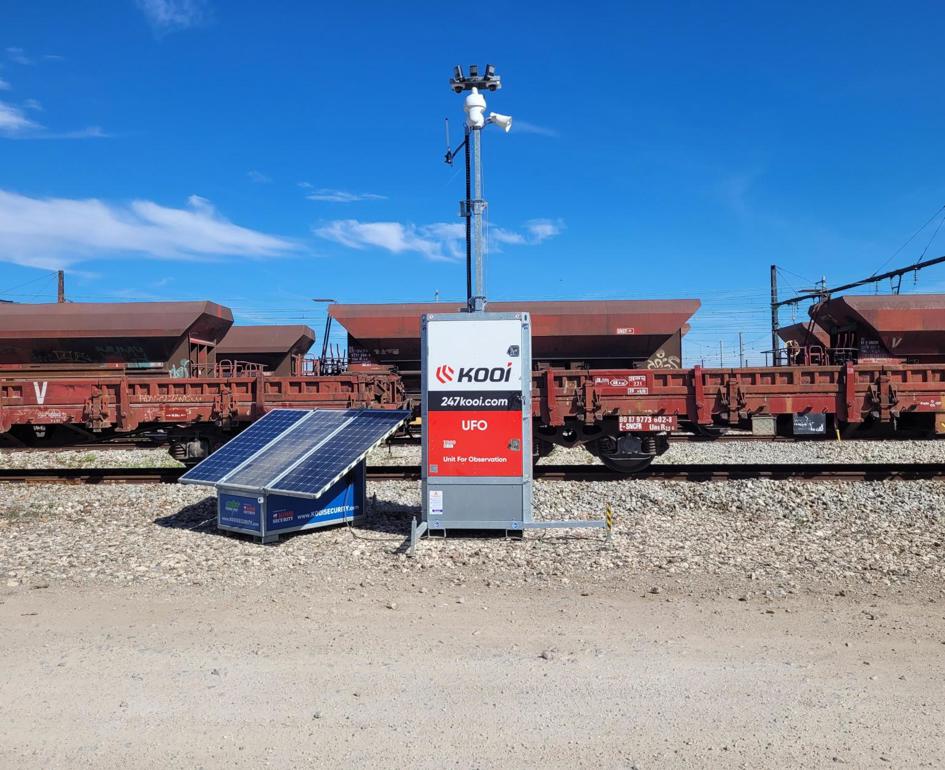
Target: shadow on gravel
[(387, 516), (383, 518), (198, 517)]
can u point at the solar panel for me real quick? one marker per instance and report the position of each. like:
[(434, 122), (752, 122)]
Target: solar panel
[(237, 450), (288, 449), (339, 453)]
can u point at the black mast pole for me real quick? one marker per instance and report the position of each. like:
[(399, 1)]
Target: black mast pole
[(468, 212)]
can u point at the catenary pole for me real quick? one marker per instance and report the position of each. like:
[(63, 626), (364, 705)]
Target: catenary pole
[(774, 315)]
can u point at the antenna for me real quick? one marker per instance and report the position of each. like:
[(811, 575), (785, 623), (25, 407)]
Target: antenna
[(449, 144)]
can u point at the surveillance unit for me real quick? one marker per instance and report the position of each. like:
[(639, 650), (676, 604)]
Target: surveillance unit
[(502, 121), (489, 81)]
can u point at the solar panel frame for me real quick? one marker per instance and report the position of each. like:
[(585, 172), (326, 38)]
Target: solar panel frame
[(234, 481), (236, 444), (396, 418)]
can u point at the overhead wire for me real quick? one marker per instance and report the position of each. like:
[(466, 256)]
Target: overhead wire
[(925, 250), (46, 276), (911, 238)]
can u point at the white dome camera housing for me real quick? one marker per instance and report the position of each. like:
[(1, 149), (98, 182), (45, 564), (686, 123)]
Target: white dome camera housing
[(475, 106)]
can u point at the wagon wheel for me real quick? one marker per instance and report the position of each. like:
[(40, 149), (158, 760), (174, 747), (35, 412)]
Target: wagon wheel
[(605, 449)]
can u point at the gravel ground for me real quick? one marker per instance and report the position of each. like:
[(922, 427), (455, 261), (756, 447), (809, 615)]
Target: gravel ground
[(91, 458), (346, 671), (739, 452), (775, 534), (728, 624), (734, 452), (779, 533), (805, 452), (683, 452)]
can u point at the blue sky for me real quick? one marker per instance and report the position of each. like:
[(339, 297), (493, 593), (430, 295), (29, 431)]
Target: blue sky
[(264, 154)]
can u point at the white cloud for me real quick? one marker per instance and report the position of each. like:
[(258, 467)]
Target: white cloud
[(91, 132), (510, 237), (259, 177), (170, 15), (542, 229), (14, 124), (524, 127), (54, 232), (36, 131), (394, 237), (13, 121), (339, 196), (439, 241), (18, 55), (446, 230)]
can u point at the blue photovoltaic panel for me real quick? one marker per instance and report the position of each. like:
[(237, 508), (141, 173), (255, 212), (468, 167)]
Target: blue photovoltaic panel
[(341, 452), (247, 443), (268, 465)]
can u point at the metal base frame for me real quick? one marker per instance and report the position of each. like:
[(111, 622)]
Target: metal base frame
[(419, 529)]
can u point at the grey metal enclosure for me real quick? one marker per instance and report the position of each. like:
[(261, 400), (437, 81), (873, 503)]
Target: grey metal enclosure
[(477, 432)]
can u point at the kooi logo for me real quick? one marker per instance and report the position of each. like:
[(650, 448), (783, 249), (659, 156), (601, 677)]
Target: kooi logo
[(445, 373)]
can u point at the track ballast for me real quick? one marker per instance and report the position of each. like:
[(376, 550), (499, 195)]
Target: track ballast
[(666, 472)]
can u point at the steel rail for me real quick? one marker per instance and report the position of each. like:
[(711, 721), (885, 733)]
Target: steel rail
[(733, 471), (665, 472), (725, 438), (90, 475), (123, 447), (674, 438)]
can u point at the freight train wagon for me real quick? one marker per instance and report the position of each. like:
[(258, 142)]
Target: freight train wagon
[(175, 371), (905, 328), (629, 334)]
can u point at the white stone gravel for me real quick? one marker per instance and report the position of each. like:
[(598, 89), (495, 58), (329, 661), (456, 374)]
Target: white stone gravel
[(734, 452), (781, 534), (931, 451), (88, 458), (681, 452)]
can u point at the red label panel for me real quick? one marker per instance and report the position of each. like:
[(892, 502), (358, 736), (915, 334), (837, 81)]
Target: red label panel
[(480, 443)]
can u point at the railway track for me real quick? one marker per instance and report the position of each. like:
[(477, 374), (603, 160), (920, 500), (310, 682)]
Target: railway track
[(667, 472), (725, 438), (124, 446), (781, 471), (90, 475), (674, 438)]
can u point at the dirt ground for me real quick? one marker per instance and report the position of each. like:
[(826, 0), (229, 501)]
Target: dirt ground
[(322, 670)]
